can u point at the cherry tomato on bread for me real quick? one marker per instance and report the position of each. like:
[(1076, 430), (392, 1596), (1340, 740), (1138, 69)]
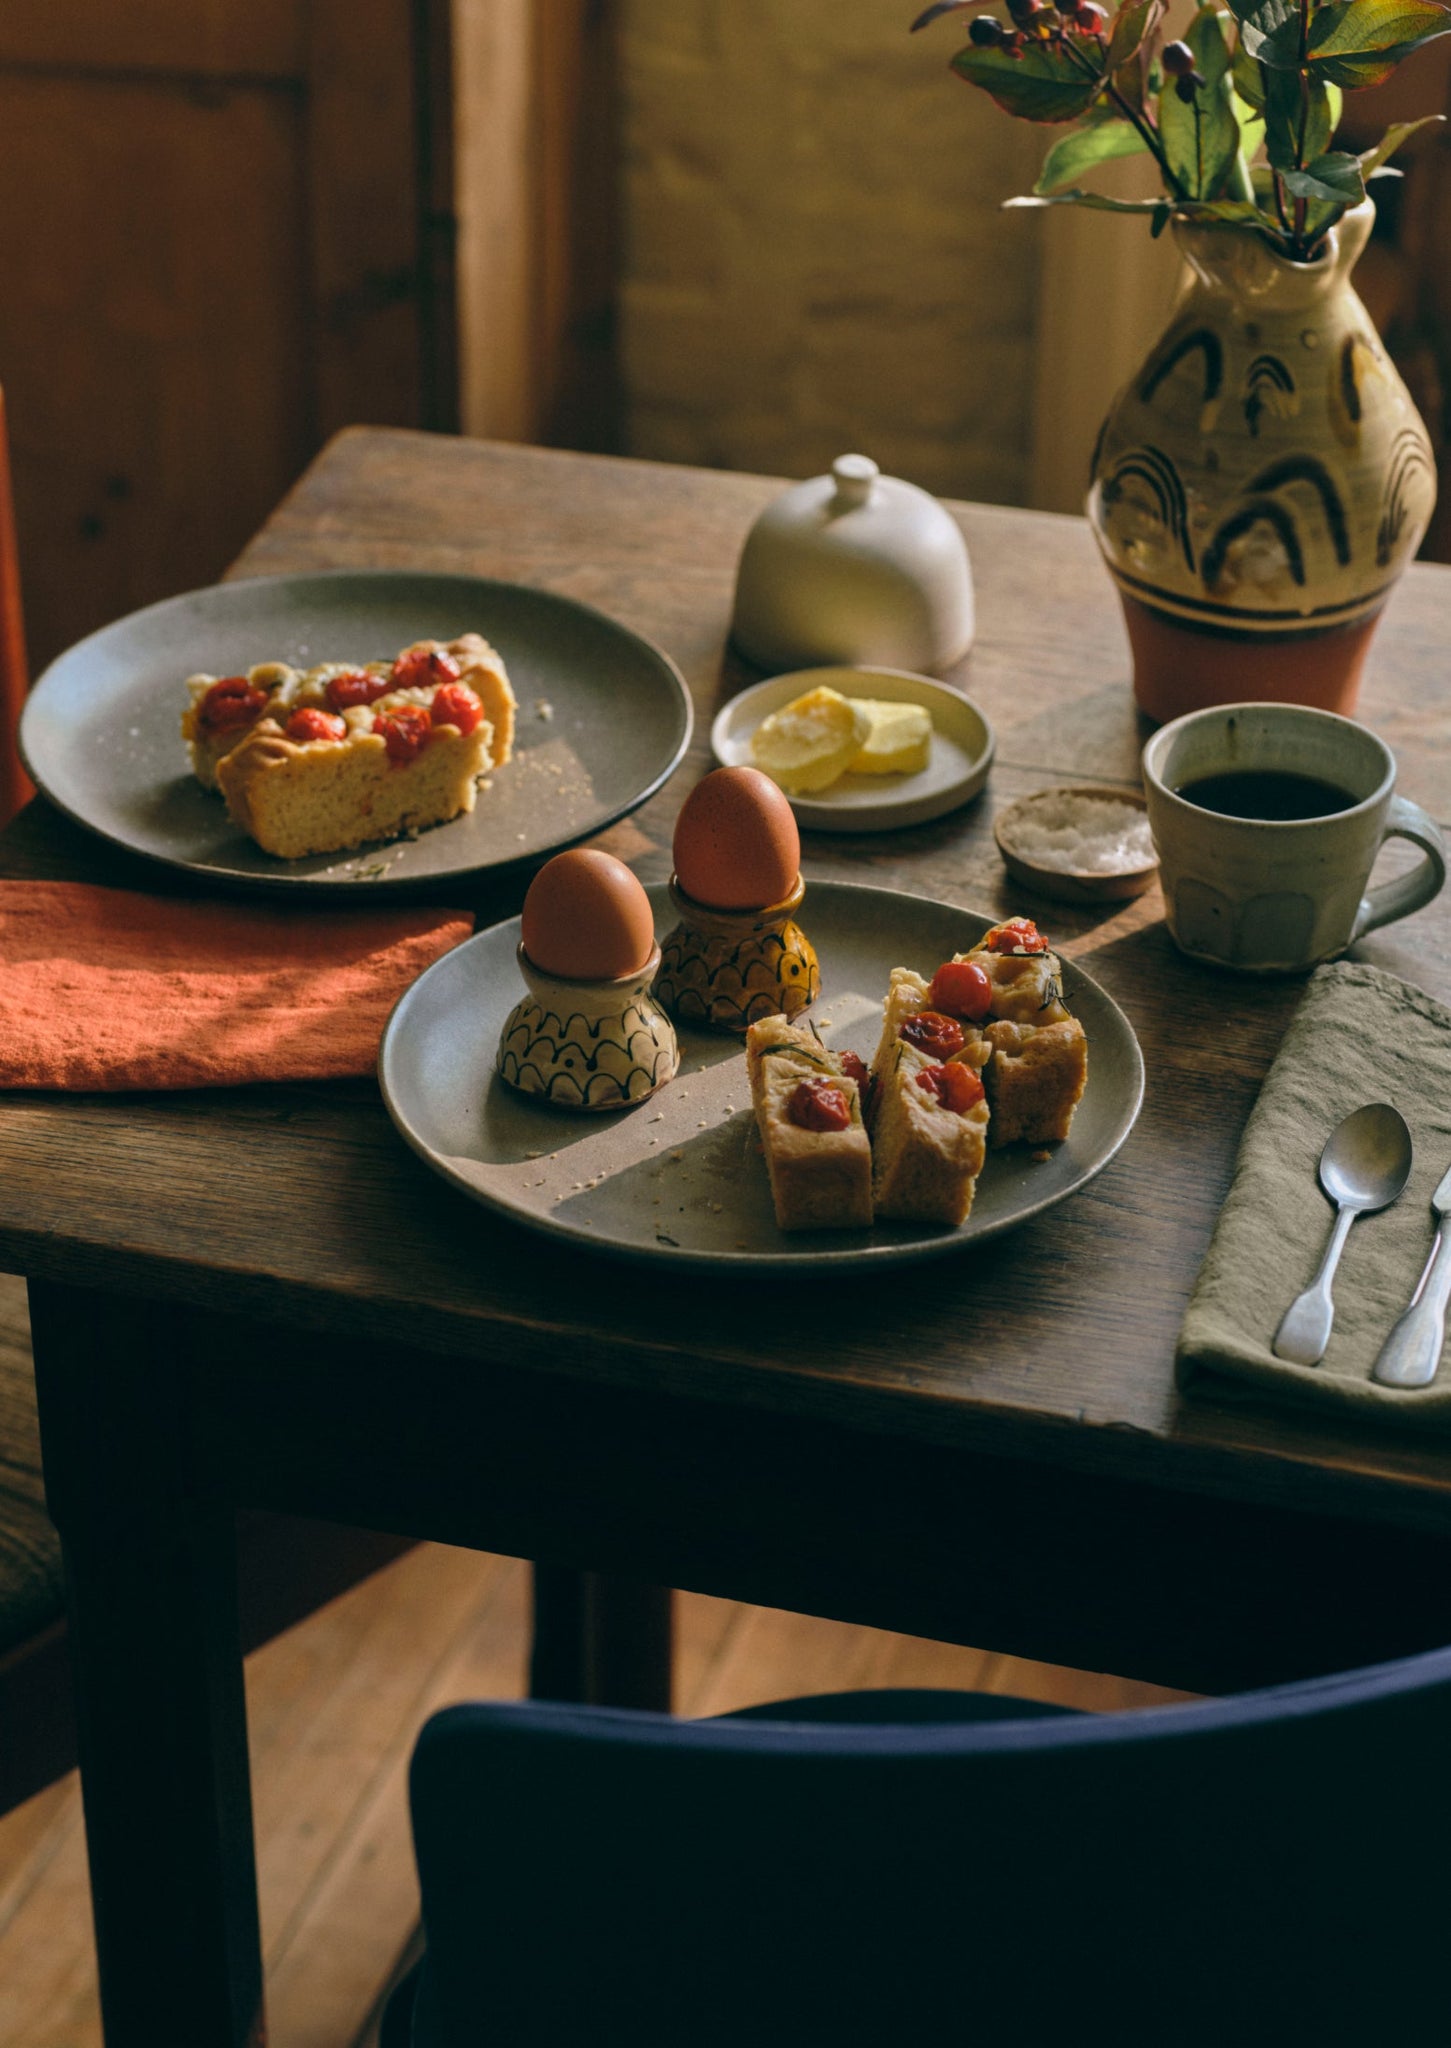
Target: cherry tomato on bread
[(417, 668), (404, 732), (961, 988), (955, 1087), (230, 702), (456, 704), (311, 724), (355, 686), (933, 1033), (818, 1106), (1018, 935)]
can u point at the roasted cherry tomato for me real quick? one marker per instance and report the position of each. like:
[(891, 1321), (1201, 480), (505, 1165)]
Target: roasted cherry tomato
[(956, 1087), (933, 1033), (962, 989), (456, 704), (1018, 935), (818, 1106), (418, 669), (404, 732), (231, 702), (855, 1069), (311, 724), (356, 686)]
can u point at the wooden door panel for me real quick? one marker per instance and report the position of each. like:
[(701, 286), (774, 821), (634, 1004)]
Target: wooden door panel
[(151, 360)]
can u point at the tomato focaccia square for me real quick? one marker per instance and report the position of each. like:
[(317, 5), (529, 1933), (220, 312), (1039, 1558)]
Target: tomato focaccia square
[(929, 1108), (1039, 1064), (332, 780), (809, 1114), (224, 709)]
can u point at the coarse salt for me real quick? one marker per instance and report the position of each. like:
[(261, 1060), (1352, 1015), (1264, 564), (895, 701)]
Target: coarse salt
[(1087, 835)]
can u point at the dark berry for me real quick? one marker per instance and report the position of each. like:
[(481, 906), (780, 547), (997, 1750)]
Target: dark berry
[(1178, 59), (1091, 19), (985, 32), (1184, 90)]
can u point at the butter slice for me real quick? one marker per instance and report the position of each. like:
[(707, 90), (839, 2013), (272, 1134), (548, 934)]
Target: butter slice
[(899, 741), (811, 741)]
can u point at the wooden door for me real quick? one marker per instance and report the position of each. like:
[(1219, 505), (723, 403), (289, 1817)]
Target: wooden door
[(219, 243)]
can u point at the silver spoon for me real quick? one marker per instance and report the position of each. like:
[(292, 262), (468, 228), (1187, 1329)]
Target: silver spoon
[(1365, 1164), (1410, 1355)]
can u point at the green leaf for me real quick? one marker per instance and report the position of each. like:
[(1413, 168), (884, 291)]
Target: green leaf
[(1299, 118), (1336, 176), (1040, 85), (1099, 202), (1360, 42), (1201, 140), (1371, 160), (1082, 148), (1248, 78), (1131, 26), (1355, 28), (1251, 123), (1262, 17)]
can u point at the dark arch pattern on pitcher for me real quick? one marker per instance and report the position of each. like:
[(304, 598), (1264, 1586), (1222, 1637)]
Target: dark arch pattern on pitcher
[(1208, 344), (1153, 468)]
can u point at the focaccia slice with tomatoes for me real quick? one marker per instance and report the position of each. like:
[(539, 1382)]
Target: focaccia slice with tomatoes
[(929, 1108), (808, 1108)]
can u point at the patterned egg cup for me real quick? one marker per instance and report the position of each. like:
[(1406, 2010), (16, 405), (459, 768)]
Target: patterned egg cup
[(726, 969), (588, 1045)]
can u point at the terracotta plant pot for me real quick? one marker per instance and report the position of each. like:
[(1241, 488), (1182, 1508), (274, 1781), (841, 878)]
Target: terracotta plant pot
[(1261, 482)]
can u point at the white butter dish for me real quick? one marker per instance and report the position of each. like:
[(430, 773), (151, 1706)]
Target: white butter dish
[(854, 568)]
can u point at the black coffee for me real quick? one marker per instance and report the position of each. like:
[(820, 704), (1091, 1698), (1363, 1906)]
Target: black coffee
[(1267, 793)]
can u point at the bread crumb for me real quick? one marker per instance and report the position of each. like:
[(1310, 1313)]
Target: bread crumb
[(1042, 1156), (543, 708)]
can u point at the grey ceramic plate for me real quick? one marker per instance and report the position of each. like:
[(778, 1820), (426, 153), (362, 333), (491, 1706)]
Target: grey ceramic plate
[(679, 1177), (963, 744), (603, 719)]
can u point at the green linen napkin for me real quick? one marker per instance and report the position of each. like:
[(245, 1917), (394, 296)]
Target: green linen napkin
[(1359, 1035)]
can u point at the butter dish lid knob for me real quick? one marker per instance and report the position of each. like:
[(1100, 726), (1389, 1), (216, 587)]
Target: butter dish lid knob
[(855, 475)]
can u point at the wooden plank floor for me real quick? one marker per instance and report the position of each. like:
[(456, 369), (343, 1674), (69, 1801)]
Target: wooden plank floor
[(334, 1707)]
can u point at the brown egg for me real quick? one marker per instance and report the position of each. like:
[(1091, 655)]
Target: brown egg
[(736, 842), (587, 917)]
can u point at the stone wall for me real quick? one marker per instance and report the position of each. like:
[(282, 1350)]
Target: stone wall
[(814, 255)]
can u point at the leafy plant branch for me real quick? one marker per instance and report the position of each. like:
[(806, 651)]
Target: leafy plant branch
[(1239, 116)]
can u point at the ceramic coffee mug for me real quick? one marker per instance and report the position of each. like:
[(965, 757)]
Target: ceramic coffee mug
[(1274, 892)]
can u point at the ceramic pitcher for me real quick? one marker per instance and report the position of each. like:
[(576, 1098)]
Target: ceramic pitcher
[(1262, 481)]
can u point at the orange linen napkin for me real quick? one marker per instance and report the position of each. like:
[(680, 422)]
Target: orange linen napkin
[(100, 988)]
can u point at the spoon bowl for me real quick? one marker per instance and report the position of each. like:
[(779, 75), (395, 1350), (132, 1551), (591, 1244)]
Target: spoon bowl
[(1367, 1158), (1364, 1166)]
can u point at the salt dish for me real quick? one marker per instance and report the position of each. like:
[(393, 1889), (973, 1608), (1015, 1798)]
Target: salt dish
[(1080, 845), (854, 567)]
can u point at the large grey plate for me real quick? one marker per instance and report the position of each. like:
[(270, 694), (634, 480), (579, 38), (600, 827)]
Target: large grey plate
[(679, 1178), (603, 719)]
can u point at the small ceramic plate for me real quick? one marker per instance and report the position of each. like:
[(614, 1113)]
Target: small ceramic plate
[(604, 718), (680, 1178), (963, 744), (1043, 809)]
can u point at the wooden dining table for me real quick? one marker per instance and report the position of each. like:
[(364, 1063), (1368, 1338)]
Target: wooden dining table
[(260, 1298)]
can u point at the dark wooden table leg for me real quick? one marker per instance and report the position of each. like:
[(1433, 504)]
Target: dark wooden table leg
[(151, 1574), (601, 1641)]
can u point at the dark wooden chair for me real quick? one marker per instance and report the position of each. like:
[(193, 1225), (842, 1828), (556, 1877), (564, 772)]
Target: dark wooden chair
[(938, 1868)]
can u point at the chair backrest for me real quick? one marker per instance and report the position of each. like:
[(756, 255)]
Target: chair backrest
[(1267, 1868), (15, 784)]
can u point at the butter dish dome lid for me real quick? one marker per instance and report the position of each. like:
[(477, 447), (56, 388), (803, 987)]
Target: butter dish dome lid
[(854, 567)]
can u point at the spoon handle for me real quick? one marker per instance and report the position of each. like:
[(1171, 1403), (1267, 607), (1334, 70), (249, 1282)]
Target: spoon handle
[(1410, 1355), (1305, 1331)]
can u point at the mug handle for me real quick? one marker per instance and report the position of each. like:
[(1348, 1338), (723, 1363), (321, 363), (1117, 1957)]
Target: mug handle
[(1405, 820)]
